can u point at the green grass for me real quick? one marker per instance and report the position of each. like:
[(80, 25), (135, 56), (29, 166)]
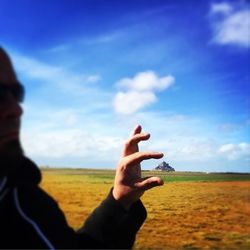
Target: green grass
[(208, 177), (105, 175), (198, 176)]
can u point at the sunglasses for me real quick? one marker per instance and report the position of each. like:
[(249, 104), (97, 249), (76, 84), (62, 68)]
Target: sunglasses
[(16, 90)]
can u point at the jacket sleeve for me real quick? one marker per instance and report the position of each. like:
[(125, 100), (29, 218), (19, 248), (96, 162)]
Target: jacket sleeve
[(109, 226), (112, 226)]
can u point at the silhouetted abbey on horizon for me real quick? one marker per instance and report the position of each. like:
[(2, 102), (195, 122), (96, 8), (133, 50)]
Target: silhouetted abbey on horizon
[(164, 167)]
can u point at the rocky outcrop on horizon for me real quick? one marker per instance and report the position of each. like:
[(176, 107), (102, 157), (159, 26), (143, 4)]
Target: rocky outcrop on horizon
[(164, 167)]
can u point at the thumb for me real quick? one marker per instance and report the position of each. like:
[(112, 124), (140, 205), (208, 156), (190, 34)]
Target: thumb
[(149, 182)]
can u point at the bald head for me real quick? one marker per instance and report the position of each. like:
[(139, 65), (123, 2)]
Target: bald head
[(7, 73)]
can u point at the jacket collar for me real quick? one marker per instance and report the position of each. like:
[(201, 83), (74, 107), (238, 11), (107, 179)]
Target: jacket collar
[(20, 171)]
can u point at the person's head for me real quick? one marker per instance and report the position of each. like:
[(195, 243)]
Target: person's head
[(11, 94)]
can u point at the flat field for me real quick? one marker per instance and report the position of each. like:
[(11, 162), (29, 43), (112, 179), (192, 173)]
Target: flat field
[(191, 210)]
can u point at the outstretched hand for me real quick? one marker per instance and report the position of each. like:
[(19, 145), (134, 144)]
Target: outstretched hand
[(129, 186)]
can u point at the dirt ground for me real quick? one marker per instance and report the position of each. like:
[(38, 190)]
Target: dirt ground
[(181, 215), (197, 216)]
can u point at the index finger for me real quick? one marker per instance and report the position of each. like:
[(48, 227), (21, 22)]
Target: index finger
[(131, 145), (138, 157), (137, 129)]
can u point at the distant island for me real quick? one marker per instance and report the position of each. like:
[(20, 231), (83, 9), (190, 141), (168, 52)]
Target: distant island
[(164, 167)]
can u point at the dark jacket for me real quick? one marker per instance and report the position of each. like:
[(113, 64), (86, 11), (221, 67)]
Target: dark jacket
[(30, 218)]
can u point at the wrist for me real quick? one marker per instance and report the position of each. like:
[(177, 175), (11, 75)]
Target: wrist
[(122, 200)]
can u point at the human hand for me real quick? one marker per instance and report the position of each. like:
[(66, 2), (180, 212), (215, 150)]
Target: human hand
[(129, 186)]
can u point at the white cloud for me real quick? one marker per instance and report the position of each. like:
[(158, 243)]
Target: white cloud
[(180, 137), (131, 101), (71, 142), (93, 78), (59, 48), (190, 148), (221, 8), (146, 81), (68, 117), (71, 120), (231, 25), (35, 69), (70, 133), (66, 80), (103, 38), (235, 151), (139, 91), (188, 141)]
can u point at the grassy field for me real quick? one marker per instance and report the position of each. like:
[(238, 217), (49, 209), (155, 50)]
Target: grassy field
[(191, 211)]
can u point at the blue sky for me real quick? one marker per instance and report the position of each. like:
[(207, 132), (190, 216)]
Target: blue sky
[(94, 69)]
